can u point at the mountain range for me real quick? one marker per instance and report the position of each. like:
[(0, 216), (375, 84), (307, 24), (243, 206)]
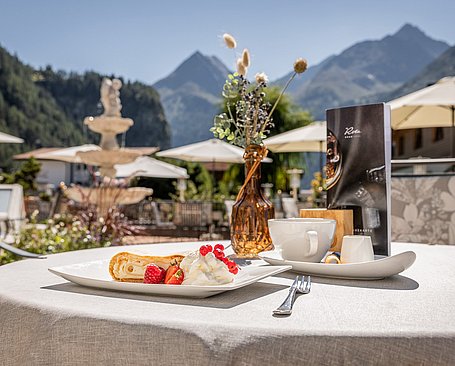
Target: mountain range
[(368, 70), (191, 97), (46, 107), (443, 66)]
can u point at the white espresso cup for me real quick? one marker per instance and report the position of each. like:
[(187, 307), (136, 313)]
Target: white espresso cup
[(356, 248), (302, 239)]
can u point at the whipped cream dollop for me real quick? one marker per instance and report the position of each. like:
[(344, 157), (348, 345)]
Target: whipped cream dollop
[(205, 270)]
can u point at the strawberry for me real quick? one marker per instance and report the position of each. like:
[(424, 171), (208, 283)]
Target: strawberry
[(154, 274), (170, 272), (176, 278), (204, 250), (219, 254), (232, 266), (219, 246)]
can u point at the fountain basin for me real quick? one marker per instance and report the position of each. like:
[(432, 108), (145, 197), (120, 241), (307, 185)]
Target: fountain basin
[(109, 127), (106, 197), (106, 124), (106, 159)]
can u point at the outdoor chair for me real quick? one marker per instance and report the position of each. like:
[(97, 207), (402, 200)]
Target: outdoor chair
[(158, 221), (12, 217), (290, 208), (228, 204), (194, 215), (138, 213), (42, 210), (19, 252)]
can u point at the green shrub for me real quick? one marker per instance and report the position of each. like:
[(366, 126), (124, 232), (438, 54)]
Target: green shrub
[(67, 232), (25, 176)]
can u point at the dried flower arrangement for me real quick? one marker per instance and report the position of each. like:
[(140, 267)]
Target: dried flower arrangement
[(249, 117), (247, 121)]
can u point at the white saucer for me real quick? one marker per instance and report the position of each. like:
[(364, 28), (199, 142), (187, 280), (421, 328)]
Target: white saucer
[(380, 268)]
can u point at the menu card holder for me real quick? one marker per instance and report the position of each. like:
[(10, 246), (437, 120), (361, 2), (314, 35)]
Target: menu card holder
[(358, 169)]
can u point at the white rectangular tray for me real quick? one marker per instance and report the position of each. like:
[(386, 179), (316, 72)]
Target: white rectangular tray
[(96, 274)]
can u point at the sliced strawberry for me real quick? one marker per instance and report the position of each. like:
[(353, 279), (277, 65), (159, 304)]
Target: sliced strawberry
[(176, 278), (170, 272), (154, 274)]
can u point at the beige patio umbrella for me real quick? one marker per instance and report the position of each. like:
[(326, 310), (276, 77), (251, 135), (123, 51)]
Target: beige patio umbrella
[(433, 106), (310, 138), (10, 139)]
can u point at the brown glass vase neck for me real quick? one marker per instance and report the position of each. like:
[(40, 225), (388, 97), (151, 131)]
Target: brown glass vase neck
[(253, 156)]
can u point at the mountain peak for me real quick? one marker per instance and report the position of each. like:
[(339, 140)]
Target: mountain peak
[(409, 32), (370, 67), (197, 55), (207, 72), (192, 93)]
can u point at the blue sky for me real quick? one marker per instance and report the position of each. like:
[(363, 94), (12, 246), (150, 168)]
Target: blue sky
[(146, 40)]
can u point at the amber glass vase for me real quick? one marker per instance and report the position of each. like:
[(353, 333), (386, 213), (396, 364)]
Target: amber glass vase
[(249, 228)]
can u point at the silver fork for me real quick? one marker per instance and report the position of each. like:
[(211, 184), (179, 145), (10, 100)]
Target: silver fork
[(299, 285)]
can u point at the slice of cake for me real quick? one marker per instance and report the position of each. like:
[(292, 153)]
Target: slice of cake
[(130, 267)]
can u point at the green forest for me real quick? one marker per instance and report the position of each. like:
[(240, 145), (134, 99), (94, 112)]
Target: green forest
[(46, 108)]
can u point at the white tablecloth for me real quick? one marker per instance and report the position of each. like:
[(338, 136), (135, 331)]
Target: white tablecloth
[(406, 319)]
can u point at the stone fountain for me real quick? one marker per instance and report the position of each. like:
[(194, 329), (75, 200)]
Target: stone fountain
[(109, 125)]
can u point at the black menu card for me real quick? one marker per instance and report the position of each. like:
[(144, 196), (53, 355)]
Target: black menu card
[(359, 167)]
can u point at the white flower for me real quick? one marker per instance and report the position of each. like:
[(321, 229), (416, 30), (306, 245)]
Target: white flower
[(261, 77)]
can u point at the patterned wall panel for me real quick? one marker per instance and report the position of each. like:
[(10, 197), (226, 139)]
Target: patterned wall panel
[(423, 209)]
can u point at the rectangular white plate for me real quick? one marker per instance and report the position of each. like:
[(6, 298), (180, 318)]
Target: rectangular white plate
[(96, 274)]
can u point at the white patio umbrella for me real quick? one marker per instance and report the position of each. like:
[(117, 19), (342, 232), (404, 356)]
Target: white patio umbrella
[(208, 151), (10, 139), (68, 154), (310, 138), (433, 106), (145, 166)]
